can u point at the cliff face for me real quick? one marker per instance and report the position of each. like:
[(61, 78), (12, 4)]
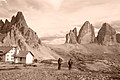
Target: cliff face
[(17, 33), (71, 37), (86, 35), (118, 37), (17, 30), (106, 35)]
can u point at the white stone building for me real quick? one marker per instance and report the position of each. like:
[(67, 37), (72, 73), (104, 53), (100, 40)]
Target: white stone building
[(25, 57), (7, 53)]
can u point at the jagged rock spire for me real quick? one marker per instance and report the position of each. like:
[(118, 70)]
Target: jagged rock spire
[(86, 34), (19, 16), (71, 37), (75, 32), (13, 20), (1, 23), (19, 19), (18, 29), (6, 27)]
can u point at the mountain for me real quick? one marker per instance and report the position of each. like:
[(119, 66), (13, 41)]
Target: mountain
[(72, 36), (86, 54), (17, 33), (106, 35), (90, 53), (86, 34)]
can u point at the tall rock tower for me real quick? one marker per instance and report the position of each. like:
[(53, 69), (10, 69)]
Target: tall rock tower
[(71, 37), (86, 34), (106, 35)]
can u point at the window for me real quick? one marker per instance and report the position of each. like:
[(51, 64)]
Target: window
[(13, 48), (7, 55), (12, 58), (20, 59), (7, 59), (1, 51)]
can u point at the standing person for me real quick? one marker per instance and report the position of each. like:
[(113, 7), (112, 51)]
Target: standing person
[(59, 63), (70, 64)]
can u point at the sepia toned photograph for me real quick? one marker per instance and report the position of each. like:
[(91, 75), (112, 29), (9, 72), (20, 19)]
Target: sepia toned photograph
[(59, 39)]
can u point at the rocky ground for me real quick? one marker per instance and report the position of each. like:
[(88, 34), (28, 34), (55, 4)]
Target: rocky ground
[(50, 72)]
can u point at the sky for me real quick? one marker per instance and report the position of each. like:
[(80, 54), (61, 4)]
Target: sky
[(52, 19)]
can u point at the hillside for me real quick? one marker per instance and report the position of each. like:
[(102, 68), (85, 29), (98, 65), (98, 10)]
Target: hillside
[(91, 57), (17, 33)]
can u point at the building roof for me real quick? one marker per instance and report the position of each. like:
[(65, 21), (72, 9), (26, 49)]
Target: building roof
[(23, 54), (5, 49)]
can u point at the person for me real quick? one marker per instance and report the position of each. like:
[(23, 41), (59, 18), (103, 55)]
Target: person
[(70, 64), (59, 63)]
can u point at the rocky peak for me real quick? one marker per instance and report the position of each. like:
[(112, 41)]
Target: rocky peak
[(19, 17), (1, 23), (75, 32), (19, 20), (108, 29), (71, 37), (7, 22), (106, 35), (86, 34), (18, 29), (6, 27), (13, 20), (86, 24)]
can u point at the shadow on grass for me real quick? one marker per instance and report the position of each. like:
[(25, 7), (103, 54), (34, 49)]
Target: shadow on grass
[(6, 69)]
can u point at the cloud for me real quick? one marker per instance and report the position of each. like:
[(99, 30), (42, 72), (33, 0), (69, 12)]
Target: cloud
[(75, 5), (52, 17), (54, 41), (11, 7), (56, 3)]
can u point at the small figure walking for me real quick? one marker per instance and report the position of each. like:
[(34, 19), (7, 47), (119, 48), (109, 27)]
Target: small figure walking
[(70, 64), (59, 63)]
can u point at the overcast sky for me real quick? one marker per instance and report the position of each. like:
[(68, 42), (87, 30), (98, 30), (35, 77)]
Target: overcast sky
[(55, 17)]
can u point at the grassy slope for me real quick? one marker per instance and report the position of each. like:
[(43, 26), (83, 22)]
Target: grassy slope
[(91, 62), (48, 72), (91, 57)]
